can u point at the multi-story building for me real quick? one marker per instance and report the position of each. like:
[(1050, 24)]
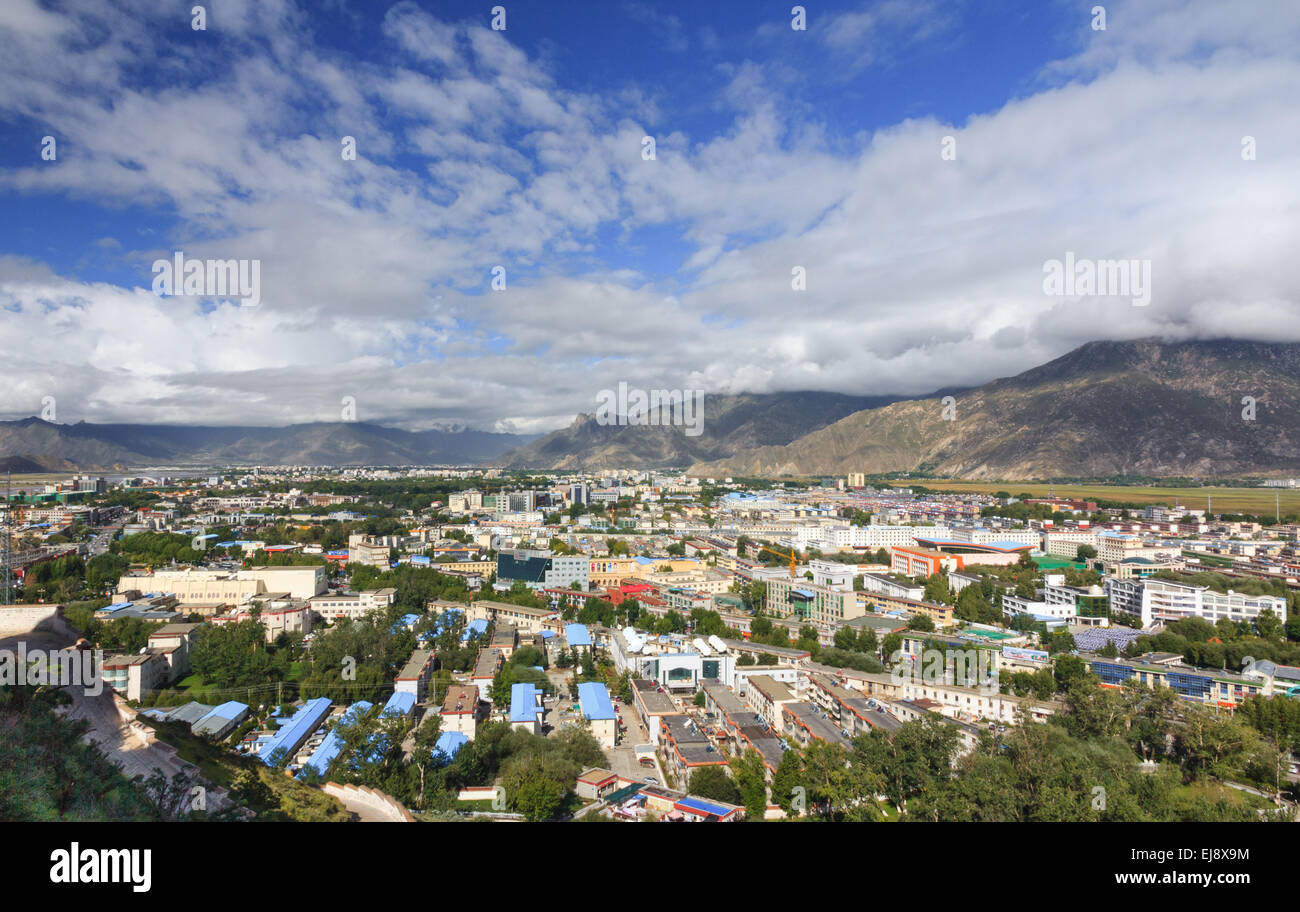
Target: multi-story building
[(807, 600), (543, 569), (1165, 601), (351, 605), (414, 677), (460, 710)]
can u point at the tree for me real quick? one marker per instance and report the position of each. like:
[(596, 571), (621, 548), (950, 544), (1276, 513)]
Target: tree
[(921, 622), (713, 782), (1085, 552), (700, 700), (426, 740), (937, 589), (892, 643), (1069, 670), (788, 777), (1268, 625), (750, 777)]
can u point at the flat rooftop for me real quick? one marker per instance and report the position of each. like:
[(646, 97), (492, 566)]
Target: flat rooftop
[(808, 716), (773, 689), (655, 703), (461, 698), (415, 665)]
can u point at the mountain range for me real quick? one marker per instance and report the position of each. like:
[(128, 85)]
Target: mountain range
[(731, 424), (1220, 408), (33, 445)]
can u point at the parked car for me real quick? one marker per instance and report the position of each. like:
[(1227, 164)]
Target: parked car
[(651, 780)]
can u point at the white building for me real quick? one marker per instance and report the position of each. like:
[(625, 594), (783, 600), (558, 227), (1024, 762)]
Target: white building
[(1164, 601)]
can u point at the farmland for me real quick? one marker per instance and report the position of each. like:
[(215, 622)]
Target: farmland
[(1225, 500)]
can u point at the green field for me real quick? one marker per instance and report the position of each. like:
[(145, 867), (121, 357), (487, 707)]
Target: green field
[(1225, 500)]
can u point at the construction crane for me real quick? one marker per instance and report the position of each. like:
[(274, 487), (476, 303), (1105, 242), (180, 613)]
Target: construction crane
[(794, 559), (794, 573)]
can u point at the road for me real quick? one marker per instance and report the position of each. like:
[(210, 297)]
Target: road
[(103, 538)]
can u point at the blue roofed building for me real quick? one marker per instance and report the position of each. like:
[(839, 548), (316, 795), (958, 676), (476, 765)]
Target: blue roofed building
[(324, 755), (401, 703), (448, 744), (526, 707), (221, 721), (476, 627), (294, 732), (577, 635), (593, 699)]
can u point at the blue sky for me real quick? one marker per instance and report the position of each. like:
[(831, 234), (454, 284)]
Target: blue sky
[(776, 149)]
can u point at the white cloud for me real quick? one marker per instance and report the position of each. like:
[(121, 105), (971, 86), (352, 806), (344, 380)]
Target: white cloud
[(922, 273)]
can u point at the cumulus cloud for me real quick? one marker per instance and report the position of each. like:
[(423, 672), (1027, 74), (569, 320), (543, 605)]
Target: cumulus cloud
[(376, 273)]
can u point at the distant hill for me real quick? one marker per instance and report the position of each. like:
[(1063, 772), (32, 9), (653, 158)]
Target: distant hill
[(732, 423), (22, 464), (1106, 408), (99, 447)]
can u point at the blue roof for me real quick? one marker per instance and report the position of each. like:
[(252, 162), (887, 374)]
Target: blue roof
[(476, 627), (449, 743), (294, 731), (594, 699), (228, 710), (547, 634), (523, 702), (704, 807), (577, 634), (323, 756), (806, 593), (399, 704)]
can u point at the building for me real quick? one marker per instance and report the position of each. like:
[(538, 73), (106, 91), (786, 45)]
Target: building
[(135, 676), (173, 642), (652, 705), (881, 584), (191, 586), (597, 709), (221, 720), (768, 697), (413, 679), (526, 708), (525, 619), (1196, 685), (485, 670), (293, 733), (277, 615), (1166, 601), (460, 710), (351, 605), (851, 711), (808, 601), (594, 784), (540, 569), (807, 722), (683, 747)]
